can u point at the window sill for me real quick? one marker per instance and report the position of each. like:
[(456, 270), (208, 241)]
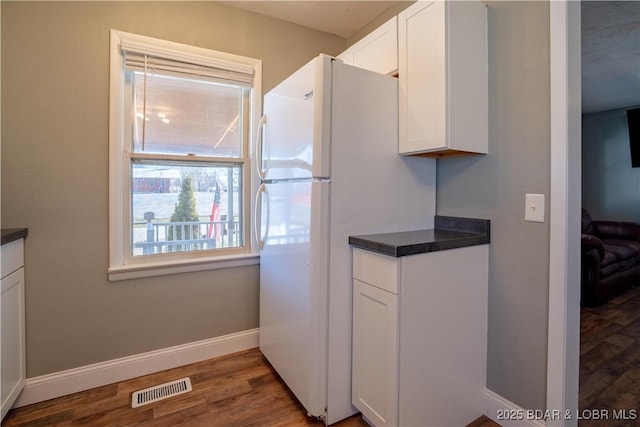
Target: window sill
[(137, 271)]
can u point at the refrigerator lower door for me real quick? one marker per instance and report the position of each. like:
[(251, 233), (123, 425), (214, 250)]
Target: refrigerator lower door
[(294, 287)]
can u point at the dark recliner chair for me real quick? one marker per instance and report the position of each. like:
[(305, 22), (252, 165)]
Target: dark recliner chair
[(610, 259)]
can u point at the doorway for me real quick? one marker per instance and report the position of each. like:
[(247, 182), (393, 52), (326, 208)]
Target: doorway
[(566, 201)]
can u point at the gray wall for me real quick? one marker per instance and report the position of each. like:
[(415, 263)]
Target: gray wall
[(610, 186), (55, 71), (494, 186), (54, 181)]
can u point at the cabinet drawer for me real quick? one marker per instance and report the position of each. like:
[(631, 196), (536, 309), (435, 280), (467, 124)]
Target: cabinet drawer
[(378, 270), (12, 257)]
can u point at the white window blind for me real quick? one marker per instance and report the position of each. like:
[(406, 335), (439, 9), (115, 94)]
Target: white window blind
[(139, 57)]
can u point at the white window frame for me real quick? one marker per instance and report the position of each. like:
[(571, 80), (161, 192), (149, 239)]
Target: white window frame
[(121, 265)]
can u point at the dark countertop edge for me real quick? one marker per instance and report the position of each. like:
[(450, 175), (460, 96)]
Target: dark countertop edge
[(12, 234), (456, 233)]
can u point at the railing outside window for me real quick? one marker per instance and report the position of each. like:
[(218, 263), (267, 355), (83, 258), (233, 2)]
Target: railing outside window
[(165, 237)]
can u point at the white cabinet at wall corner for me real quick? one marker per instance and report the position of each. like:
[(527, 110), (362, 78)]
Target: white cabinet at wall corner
[(420, 336), (443, 78), (374, 389), (12, 326), (377, 51)]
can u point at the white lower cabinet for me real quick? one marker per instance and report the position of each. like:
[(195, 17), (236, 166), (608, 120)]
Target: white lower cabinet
[(12, 326), (420, 336)]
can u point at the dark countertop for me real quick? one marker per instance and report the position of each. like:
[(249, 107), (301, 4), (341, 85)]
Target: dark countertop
[(11, 234), (449, 233)]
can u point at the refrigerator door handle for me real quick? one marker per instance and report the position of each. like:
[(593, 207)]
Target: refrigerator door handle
[(257, 217), (259, 147)]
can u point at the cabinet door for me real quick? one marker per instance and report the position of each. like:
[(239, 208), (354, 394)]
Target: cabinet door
[(378, 51), (422, 78), (375, 353), (13, 338), (347, 56)]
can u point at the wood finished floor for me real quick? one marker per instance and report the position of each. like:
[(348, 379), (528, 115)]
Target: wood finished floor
[(232, 391), (243, 390), (610, 359)]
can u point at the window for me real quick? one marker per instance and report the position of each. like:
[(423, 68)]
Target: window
[(180, 171)]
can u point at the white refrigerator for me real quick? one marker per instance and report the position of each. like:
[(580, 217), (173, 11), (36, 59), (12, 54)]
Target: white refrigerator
[(327, 157)]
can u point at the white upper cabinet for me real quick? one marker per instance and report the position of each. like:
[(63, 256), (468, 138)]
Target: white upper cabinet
[(378, 51), (443, 78)]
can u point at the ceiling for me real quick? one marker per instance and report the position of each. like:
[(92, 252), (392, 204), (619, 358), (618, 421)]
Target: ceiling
[(340, 17), (610, 40), (610, 55)]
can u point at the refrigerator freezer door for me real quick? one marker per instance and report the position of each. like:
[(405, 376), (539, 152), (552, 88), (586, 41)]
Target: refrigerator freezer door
[(293, 287), (295, 140)]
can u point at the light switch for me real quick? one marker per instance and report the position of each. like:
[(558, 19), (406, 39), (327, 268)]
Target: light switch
[(534, 207)]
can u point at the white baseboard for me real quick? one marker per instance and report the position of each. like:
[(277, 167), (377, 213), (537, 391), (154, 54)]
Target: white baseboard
[(45, 387), (508, 414)]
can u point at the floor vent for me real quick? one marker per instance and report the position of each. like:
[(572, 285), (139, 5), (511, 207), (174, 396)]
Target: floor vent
[(159, 392)]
